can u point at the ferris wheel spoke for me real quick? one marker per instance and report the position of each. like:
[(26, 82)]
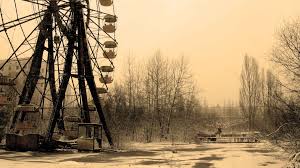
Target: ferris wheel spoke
[(11, 24), (57, 48), (96, 64), (96, 11), (47, 1), (22, 69), (63, 1), (99, 27), (76, 94), (36, 2), (23, 32), (91, 34), (41, 93), (22, 66), (100, 45), (15, 51), (69, 103), (59, 19), (37, 89), (23, 52), (94, 49)]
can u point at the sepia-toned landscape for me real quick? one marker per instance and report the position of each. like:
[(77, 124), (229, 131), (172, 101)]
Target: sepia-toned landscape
[(161, 83)]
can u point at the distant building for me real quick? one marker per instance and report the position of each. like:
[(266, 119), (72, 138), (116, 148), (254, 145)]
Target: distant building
[(14, 67)]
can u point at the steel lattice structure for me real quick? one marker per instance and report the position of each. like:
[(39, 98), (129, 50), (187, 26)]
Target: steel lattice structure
[(75, 39)]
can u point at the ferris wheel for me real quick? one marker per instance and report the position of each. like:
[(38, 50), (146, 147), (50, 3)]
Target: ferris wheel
[(59, 54)]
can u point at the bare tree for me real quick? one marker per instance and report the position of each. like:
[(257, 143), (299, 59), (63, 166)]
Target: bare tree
[(191, 105), (250, 90), (273, 91), (286, 53), (180, 79), (155, 69)]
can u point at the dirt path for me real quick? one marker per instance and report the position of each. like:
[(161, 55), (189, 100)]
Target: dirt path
[(154, 155)]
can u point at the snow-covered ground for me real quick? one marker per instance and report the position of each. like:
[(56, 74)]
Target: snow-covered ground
[(162, 155)]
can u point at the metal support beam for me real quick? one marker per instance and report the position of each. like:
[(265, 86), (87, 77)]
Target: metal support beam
[(36, 63), (81, 72), (34, 73), (85, 72), (91, 80), (51, 62), (64, 83)]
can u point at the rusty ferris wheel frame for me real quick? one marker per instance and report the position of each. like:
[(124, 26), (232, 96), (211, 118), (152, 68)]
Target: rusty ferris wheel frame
[(66, 30)]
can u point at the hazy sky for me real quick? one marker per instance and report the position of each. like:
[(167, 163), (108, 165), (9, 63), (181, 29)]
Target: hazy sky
[(213, 34)]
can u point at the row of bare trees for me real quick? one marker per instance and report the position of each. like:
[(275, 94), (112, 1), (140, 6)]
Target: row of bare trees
[(156, 100), (271, 102), (259, 93)]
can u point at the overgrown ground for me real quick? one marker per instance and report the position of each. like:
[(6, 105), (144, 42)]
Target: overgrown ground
[(155, 155)]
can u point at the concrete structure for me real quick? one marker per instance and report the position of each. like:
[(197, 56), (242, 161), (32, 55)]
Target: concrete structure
[(14, 67)]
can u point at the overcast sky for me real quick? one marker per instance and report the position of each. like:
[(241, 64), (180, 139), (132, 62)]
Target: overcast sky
[(213, 34)]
